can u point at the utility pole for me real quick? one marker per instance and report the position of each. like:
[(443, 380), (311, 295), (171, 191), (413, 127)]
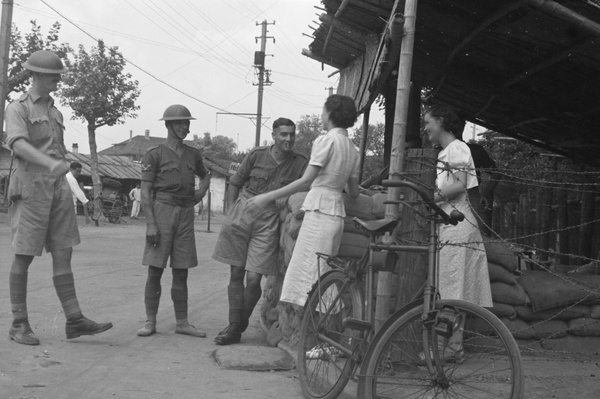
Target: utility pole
[(5, 24), (330, 89), (259, 62)]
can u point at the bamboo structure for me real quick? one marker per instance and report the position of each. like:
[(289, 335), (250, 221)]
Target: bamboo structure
[(382, 309)]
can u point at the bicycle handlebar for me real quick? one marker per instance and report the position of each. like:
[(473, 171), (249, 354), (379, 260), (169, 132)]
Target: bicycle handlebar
[(454, 217)]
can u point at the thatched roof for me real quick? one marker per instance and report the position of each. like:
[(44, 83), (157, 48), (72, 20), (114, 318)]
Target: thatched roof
[(527, 68)]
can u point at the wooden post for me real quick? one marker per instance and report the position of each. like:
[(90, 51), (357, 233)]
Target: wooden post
[(586, 228), (5, 25), (364, 135), (412, 268), (545, 223), (382, 310), (562, 223)]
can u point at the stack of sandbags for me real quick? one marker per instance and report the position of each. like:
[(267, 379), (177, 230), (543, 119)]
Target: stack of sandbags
[(354, 242), (502, 265)]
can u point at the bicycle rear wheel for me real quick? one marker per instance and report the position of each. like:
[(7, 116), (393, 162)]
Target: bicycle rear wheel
[(325, 361), (115, 212), (488, 365)]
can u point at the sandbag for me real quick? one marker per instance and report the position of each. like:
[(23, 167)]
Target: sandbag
[(499, 274), (295, 201), (561, 313), (595, 311), (549, 329), (585, 327), (519, 328), (503, 310), (294, 226), (360, 207), (501, 254), (510, 294)]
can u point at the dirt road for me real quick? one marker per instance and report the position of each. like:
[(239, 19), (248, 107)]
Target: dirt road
[(118, 364)]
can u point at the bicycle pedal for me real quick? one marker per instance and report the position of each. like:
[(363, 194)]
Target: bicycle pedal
[(356, 324)]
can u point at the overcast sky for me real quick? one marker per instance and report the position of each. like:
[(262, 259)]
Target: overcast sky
[(204, 49)]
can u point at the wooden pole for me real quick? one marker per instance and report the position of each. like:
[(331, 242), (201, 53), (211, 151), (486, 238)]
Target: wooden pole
[(364, 135), (562, 224), (382, 310), (586, 228)]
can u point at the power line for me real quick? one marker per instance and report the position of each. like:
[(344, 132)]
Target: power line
[(138, 67)]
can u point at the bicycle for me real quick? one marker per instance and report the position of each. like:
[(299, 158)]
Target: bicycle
[(410, 356)]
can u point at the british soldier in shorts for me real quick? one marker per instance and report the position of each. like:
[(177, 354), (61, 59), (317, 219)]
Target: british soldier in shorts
[(168, 198), (249, 240)]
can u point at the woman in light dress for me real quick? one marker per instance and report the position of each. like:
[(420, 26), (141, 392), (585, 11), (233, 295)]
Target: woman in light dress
[(333, 167), (463, 270)]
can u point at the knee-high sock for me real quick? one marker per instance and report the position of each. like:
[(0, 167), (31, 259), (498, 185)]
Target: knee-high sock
[(64, 284), (18, 296), (235, 293), (179, 293), (251, 296), (152, 292)]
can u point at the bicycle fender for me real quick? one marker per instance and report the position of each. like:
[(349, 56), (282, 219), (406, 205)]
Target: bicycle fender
[(316, 284)]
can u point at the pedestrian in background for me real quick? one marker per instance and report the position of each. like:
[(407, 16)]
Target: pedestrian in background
[(76, 191), (41, 210), (135, 195), (249, 239), (168, 197)]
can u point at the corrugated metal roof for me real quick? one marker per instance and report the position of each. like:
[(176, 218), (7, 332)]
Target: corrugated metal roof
[(528, 69), (116, 167)]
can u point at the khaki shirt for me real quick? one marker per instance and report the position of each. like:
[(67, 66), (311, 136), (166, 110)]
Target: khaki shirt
[(260, 173), (172, 174), (38, 122)]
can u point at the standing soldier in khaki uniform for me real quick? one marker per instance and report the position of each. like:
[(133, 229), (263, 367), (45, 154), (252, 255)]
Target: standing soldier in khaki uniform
[(249, 241), (41, 210), (168, 198)]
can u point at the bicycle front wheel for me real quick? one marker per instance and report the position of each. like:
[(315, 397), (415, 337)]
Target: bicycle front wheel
[(486, 365), (325, 348)]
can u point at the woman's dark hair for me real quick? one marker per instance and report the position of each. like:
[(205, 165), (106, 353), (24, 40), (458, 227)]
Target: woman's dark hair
[(451, 122), (342, 110)]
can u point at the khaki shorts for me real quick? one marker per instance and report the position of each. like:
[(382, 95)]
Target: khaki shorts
[(177, 239), (43, 215), (249, 239)]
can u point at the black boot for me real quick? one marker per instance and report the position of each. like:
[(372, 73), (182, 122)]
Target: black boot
[(81, 325), (21, 332), (231, 335)]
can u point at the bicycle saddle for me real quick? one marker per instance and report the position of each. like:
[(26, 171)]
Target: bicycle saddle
[(378, 225)]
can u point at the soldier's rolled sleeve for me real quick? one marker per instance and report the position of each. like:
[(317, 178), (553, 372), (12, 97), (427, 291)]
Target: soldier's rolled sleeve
[(16, 124), (243, 173)]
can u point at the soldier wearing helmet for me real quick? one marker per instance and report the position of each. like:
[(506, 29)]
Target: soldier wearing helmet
[(41, 209), (168, 198)]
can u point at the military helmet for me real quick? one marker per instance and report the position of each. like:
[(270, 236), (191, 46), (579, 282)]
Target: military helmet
[(176, 112), (44, 61)]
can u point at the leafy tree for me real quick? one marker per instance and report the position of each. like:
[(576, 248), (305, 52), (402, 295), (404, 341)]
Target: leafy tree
[(218, 147), (374, 149), (99, 93), (308, 128), (23, 45)]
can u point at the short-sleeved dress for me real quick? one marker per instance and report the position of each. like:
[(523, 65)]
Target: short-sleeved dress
[(463, 271), (323, 222)]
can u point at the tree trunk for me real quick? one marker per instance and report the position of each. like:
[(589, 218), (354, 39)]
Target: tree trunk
[(96, 183)]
